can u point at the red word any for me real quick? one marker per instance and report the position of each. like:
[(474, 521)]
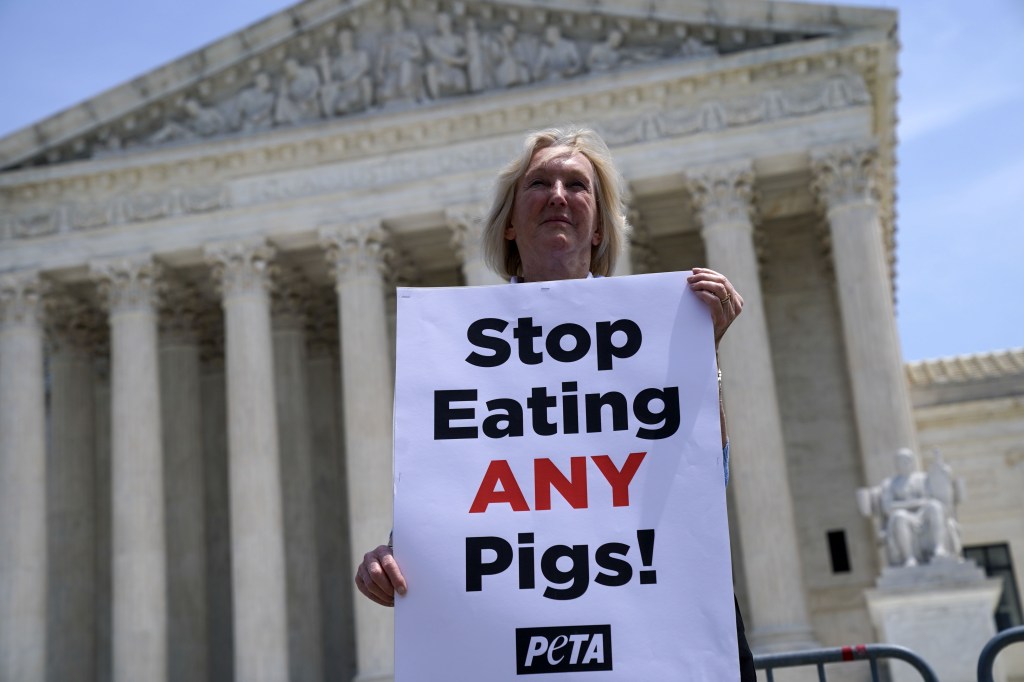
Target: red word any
[(499, 485)]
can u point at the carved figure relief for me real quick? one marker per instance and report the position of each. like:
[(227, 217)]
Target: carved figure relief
[(509, 58), (400, 62), (298, 97), (446, 70), (254, 106), (605, 56), (201, 122), (558, 57), (347, 80)]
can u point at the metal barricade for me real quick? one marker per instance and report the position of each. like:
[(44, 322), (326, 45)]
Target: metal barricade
[(987, 659), (842, 654)]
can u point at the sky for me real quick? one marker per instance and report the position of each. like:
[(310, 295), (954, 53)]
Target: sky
[(960, 172)]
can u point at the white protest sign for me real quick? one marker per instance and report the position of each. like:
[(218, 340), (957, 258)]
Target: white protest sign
[(559, 488)]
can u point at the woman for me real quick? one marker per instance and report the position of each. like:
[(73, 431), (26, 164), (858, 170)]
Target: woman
[(559, 213)]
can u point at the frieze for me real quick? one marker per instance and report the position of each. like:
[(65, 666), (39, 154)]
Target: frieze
[(683, 108)]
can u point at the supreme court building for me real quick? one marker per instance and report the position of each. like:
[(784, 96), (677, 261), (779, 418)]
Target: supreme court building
[(197, 274)]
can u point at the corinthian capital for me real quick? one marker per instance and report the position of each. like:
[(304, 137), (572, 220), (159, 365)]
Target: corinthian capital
[(127, 284), (844, 175), (466, 225), (722, 193), (356, 250), (241, 267), (20, 299), (72, 323)]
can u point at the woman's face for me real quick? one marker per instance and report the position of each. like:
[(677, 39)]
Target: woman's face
[(555, 208)]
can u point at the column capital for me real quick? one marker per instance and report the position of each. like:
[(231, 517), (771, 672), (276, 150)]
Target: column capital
[(845, 174), (290, 298), (72, 323), (180, 307), (356, 249), (21, 299), (127, 284), (241, 267), (466, 223), (723, 193)]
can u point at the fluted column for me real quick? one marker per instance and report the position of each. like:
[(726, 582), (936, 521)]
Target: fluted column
[(331, 495), (357, 253), (73, 331), (139, 564), (778, 617), (466, 225), (844, 182), (257, 524), (22, 481), (289, 303), (186, 510)]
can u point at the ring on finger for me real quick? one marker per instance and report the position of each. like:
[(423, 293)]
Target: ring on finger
[(725, 300)]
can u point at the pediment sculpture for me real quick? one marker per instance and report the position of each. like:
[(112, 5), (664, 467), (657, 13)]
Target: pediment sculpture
[(357, 66)]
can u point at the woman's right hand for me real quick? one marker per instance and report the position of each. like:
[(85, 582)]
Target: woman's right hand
[(378, 576)]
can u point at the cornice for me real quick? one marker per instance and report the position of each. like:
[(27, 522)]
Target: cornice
[(659, 102), (966, 368)]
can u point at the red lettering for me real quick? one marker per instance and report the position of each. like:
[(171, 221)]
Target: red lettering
[(499, 472), (546, 475), (619, 480)]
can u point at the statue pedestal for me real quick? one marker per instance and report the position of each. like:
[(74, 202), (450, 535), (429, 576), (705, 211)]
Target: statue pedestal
[(943, 611)]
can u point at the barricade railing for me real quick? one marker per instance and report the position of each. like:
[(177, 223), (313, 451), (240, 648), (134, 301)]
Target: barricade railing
[(843, 654), (987, 659)]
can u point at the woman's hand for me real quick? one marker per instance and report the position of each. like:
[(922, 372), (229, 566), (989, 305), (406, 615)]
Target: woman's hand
[(717, 291), (378, 577)]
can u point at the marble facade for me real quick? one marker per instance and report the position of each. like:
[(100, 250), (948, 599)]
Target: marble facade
[(196, 308)]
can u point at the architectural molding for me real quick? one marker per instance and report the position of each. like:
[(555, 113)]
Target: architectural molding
[(466, 223), (127, 284), (241, 267), (678, 108), (965, 368)]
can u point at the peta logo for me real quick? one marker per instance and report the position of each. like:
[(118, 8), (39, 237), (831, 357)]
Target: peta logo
[(568, 649)]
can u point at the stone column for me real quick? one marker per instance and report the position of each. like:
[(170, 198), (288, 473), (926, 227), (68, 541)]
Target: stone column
[(257, 522), (23, 561), (139, 564), (186, 512), (778, 618), (289, 302), (331, 495), (357, 254), (72, 328), (466, 225), (844, 182)]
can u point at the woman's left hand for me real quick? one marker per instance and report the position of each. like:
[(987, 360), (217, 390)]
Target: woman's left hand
[(724, 302)]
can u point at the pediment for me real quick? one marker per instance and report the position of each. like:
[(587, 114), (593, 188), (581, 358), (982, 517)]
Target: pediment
[(325, 60)]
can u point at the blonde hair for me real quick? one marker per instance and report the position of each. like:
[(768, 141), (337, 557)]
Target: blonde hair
[(502, 255)]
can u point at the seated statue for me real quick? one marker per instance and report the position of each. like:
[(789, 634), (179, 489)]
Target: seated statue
[(916, 511)]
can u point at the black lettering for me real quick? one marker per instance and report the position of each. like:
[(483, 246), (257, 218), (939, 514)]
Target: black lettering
[(578, 575), (668, 417), (606, 349), (538, 404), (444, 413), (526, 332), (570, 408), (501, 350), (580, 347), (607, 557), (477, 568), (526, 577), (512, 417), (613, 399)]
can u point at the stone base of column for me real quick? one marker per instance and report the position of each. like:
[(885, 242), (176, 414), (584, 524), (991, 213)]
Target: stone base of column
[(942, 611), (778, 639)]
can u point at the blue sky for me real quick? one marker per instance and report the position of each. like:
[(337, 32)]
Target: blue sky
[(960, 211)]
